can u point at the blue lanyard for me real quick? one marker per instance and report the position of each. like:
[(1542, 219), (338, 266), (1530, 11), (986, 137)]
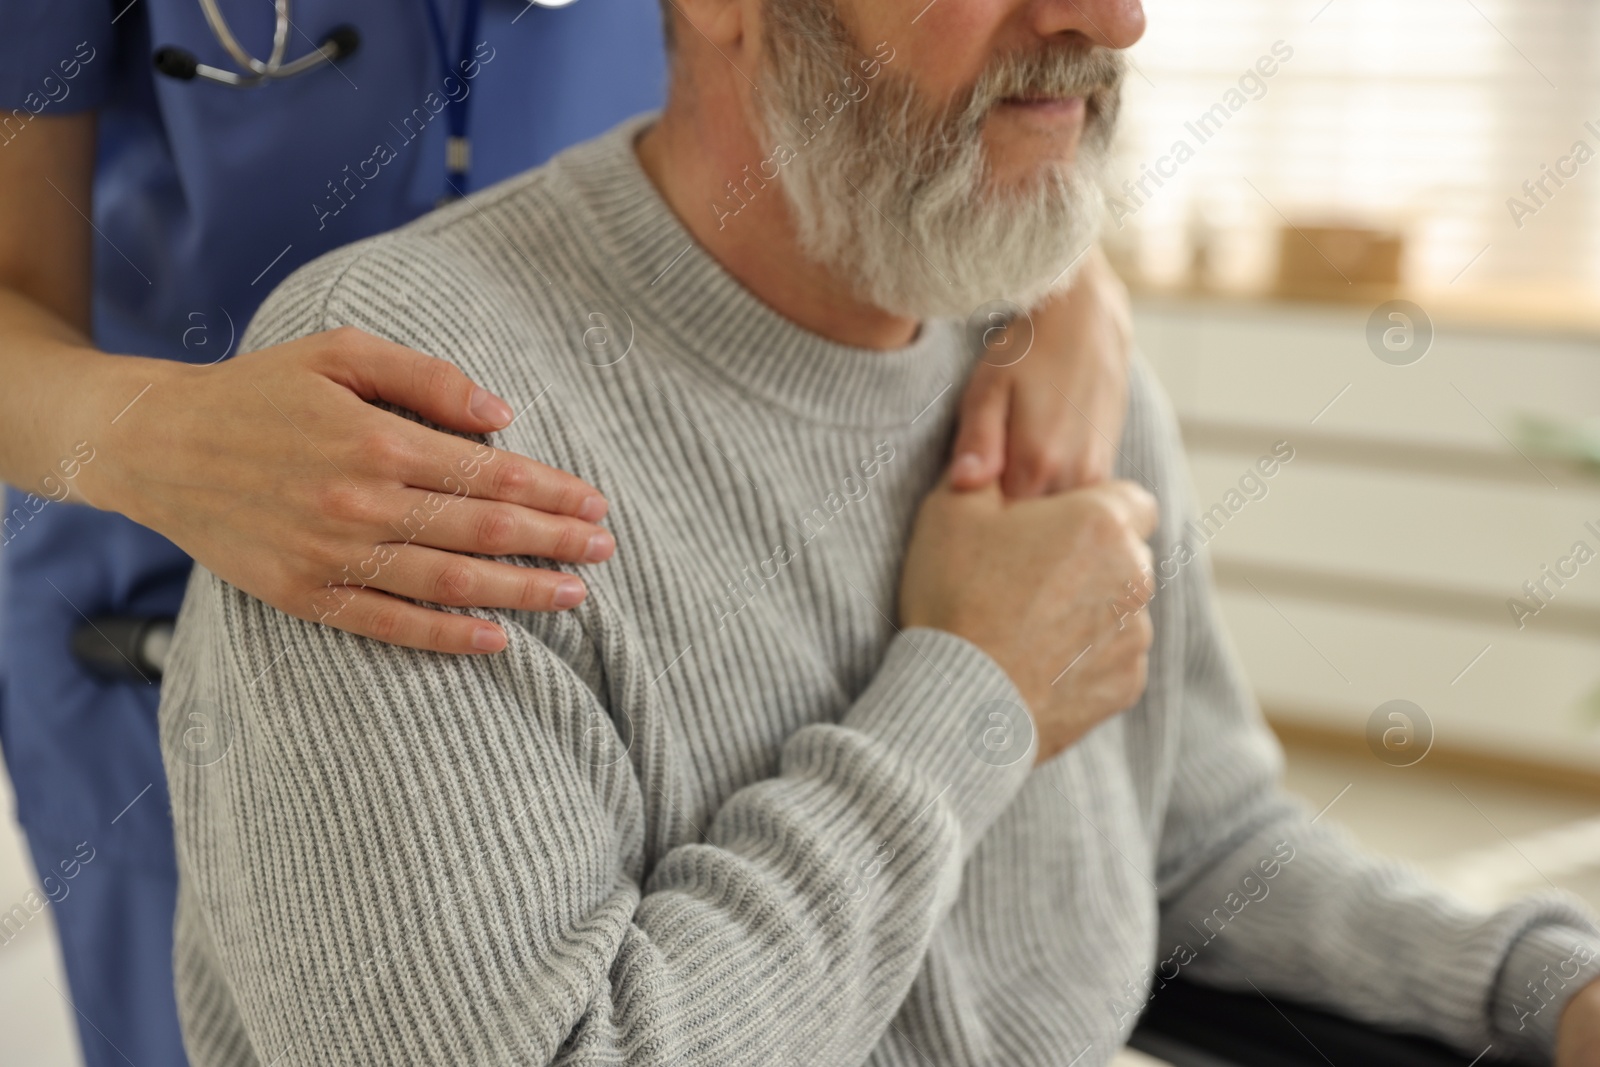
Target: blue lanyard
[(458, 148)]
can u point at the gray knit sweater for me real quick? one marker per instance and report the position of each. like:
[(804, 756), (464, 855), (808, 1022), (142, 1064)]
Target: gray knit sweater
[(727, 812)]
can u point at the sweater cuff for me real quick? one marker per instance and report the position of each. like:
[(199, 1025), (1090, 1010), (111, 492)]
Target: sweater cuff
[(1543, 970), (955, 719)]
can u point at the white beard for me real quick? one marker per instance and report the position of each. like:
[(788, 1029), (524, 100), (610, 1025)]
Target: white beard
[(896, 199)]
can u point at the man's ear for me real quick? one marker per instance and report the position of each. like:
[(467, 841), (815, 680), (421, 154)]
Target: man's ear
[(724, 23)]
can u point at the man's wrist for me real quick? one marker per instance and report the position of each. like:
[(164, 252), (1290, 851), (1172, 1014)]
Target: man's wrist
[(952, 715), (1578, 1030), (1544, 972)]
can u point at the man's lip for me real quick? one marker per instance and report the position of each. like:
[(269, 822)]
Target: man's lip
[(1054, 111)]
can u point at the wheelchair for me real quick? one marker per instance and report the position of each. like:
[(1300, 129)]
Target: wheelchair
[(1190, 1025)]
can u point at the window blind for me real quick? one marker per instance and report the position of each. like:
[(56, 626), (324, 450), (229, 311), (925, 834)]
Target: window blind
[(1433, 117)]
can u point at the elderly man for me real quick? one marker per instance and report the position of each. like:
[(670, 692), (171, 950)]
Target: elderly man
[(835, 765)]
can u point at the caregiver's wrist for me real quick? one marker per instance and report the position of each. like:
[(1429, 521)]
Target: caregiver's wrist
[(115, 436)]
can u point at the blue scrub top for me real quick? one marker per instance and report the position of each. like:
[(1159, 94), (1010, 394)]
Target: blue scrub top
[(205, 197)]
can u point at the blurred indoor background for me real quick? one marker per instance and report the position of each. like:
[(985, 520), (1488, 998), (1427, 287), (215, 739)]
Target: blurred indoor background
[(1369, 229)]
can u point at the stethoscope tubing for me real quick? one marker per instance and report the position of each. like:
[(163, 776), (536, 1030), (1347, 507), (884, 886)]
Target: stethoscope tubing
[(280, 39)]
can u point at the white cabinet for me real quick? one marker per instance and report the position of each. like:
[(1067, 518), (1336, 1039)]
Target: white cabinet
[(1382, 560)]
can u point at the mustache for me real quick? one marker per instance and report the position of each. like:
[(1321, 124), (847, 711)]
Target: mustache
[(1090, 71)]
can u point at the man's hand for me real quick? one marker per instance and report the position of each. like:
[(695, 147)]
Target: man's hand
[(273, 472), (1578, 1033), (1050, 420), (1042, 586)]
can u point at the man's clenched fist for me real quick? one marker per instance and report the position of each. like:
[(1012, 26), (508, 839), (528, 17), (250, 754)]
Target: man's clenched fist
[(1041, 585)]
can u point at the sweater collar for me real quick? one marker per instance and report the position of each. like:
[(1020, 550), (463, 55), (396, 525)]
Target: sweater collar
[(701, 312)]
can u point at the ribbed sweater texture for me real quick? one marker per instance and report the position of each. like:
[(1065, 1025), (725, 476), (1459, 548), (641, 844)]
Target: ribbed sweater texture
[(727, 811)]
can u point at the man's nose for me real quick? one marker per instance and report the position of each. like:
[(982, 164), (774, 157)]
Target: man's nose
[(1109, 23)]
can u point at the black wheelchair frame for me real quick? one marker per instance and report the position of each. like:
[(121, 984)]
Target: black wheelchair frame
[(1190, 1025)]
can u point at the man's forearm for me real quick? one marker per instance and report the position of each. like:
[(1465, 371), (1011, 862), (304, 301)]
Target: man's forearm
[(482, 838), (1337, 927)]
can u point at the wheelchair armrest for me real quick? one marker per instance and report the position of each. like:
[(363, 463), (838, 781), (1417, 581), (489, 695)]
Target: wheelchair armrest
[(1191, 1025)]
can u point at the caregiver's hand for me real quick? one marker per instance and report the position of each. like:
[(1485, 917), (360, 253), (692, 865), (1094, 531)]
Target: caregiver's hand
[(273, 472), (270, 468), (1046, 417)]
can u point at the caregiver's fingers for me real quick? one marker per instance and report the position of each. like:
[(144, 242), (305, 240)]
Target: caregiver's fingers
[(979, 452)]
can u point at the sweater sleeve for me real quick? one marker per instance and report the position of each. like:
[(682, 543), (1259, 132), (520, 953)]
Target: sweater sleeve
[(405, 857), (1260, 893)]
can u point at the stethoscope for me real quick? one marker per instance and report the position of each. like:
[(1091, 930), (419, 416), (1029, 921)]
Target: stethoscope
[(340, 42), (181, 63)]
